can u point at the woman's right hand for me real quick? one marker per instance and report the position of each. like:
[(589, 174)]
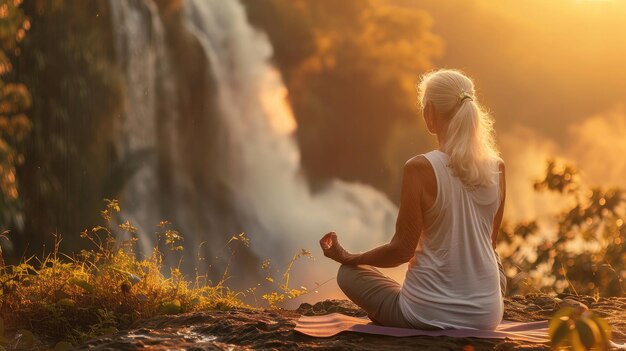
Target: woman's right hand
[(333, 250)]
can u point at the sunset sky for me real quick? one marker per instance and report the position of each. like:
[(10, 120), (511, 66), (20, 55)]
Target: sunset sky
[(552, 73)]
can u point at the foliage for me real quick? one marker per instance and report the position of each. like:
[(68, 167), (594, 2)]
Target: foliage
[(579, 329), (68, 65), (103, 289), (68, 299), (15, 100), (588, 251), (275, 298)]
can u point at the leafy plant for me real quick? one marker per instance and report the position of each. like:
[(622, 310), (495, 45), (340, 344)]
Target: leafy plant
[(588, 251), (579, 329), (284, 290), (68, 299), (103, 289), (15, 100)]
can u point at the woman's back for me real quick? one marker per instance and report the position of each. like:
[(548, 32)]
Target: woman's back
[(451, 207), (453, 280)]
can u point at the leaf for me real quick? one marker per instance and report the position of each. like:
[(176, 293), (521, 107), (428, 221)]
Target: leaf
[(127, 227), (171, 307), (66, 302), (605, 330), (222, 306), (133, 279), (195, 301), (82, 283), (561, 316), (98, 228), (560, 326), (121, 271), (575, 341), (63, 346), (588, 332), (560, 334)]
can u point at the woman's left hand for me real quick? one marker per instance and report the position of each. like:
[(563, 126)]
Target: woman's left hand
[(333, 250)]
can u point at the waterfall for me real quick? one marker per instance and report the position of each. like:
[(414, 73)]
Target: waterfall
[(251, 178), (139, 45)]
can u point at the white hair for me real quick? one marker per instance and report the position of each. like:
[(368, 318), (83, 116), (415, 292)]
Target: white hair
[(470, 137)]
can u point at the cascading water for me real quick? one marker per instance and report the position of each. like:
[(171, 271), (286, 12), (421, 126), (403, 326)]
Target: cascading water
[(139, 45), (254, 160)]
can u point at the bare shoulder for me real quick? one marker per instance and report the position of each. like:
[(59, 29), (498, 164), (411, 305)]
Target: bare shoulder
[(420, 175), (419, 168), (417, 163)]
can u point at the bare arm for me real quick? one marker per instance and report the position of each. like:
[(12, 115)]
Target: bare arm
[(497, 221), (409, 223)]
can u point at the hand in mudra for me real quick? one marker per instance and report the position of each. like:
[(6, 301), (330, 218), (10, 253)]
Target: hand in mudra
[(333, 250)]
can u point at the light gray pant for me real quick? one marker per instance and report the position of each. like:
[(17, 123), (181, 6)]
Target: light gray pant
[(378, 294)]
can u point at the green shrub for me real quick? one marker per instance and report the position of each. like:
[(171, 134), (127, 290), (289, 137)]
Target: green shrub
[(580, 329)]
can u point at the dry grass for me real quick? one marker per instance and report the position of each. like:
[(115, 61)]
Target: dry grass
[(102, 290), (67, 300)]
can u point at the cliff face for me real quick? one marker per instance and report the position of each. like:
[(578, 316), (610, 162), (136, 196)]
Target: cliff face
[(67, 63), (258, 329)]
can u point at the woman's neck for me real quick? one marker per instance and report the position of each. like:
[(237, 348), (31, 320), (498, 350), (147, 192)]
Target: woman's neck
[(441, 129), (441, 141)]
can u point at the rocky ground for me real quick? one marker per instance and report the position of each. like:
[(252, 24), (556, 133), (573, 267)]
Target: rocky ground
[(241, 329)]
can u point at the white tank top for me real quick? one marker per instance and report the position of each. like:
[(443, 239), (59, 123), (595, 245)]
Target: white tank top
[(453, 280)]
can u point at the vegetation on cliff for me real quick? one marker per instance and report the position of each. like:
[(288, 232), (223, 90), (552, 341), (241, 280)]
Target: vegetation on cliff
[(581, 250), (67, 63), (15, 101), (98, 291), (108, 287)]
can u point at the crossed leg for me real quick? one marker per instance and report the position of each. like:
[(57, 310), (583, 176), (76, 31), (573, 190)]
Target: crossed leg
[(379, 295), (375, 293)]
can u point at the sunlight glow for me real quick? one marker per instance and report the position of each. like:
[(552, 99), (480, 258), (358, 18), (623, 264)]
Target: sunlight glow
[(274, 101)]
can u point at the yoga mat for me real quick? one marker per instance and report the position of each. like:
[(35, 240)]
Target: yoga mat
[(335, 323)]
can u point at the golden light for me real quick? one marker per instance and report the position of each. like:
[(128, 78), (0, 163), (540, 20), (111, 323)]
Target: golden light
[(274, 101)]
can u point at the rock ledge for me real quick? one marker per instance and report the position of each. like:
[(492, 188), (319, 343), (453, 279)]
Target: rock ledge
[(273, 329)]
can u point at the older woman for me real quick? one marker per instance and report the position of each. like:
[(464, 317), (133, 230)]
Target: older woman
[(451, 207)]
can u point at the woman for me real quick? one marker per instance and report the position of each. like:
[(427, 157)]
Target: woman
[(451, 207)]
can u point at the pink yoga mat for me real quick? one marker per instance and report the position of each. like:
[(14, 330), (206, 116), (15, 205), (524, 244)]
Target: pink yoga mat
[(335, 323)]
